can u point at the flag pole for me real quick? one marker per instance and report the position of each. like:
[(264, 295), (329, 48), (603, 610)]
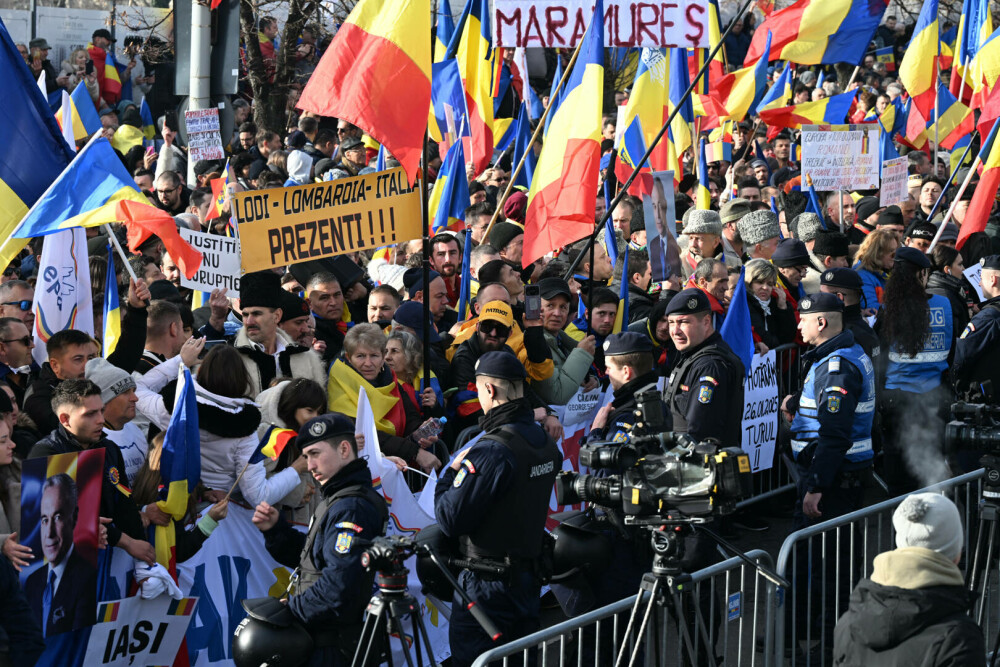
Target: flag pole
[(659, 135), (121, 251), (961, 85), (954, 203), (425, 220), (937, 90), (952, 175), (854, 75), (534, 137)]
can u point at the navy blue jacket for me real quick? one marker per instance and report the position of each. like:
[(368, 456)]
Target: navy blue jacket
[(340, 594), (24, 637), (977, 351), (489, 475)]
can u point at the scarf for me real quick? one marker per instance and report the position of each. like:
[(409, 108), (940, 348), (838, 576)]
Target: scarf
[(765, 305), (384, 396)]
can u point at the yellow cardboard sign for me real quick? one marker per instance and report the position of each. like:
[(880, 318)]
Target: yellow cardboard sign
[(281, 226)]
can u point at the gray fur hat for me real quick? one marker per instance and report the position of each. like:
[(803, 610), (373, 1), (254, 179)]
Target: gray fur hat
[(702, 222), (758, 226), (805, 226)]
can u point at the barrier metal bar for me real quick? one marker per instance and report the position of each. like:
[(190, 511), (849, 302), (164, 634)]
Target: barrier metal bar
[(825, 561), (728, 604)]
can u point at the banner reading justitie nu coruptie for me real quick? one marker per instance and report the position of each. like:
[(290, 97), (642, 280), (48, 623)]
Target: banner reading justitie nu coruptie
[(282, 226)]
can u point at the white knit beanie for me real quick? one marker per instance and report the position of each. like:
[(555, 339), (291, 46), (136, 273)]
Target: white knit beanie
[(931, 521)]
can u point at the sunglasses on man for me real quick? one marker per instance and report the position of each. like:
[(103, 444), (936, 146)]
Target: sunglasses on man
[(24, 305)]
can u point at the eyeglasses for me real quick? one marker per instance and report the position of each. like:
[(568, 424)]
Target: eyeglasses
[(25, 340), (490, 326), (23, 305)]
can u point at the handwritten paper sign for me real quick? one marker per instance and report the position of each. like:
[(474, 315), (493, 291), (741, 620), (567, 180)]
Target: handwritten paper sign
[(220, 267), (894, 182), (760, 411), (204, 139), (841, 157)]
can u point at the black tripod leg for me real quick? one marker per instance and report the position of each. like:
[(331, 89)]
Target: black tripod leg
[(685, 632), (372, 629), (418, 626), (397, 626), (984, 573)]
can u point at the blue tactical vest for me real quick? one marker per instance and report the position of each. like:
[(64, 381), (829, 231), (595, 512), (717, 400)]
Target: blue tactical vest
[(922, 373), (805, 426)]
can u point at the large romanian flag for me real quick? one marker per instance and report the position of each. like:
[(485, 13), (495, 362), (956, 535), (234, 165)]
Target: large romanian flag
[(28, 131), (561, 202), (376, 72), (84, 195), (180, 468), (986, 69), (830, 110), (717, 68), (814, 32), (741, 91), (450, 196), (471, 46), (918, 71), (982, 200), (648, 102), (974, 27)]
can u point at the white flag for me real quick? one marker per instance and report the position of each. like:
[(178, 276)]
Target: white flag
[(62, 293)]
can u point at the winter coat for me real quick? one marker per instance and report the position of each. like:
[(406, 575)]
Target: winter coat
[(775, 329), (10, 511), (292, 505), (912, 613), (951, 287), (74, 77), (228, 430), (294, 361), (572, 364)]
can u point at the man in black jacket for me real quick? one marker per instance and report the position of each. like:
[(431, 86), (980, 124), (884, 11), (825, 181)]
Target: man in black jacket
[(78, 407), (332, 586)]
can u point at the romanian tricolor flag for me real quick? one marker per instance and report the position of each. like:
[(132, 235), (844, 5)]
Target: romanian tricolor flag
[(741, 91), (471, 46), (450, 196), (819, 32), (830, 110), (273, 442), (375, 72), (148, 125), (918, 71), (703, 195), (887, 57), (107, 73), (182, 607), (630, 152), (387, 406), (108, 612), (112, 309), (975, 25), (219, 195), (955, 120), (648, 102), (778, 95), (444, 31), (180, 468), (682, 127), (986, 69), (524, 148), (85, 120), (696, 59), (84, 195), (982, 200), (142, 221), (449, 114), (561, 202)]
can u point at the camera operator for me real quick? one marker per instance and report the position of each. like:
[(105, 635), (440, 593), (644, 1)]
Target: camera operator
[(831, 443), (333, 588), (629, 360), (705, 388), (494, 499), (977, 352)]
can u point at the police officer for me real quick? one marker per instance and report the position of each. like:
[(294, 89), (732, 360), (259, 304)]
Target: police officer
[(332, 587), (977, 352), (831, 431), (847, 285), (629, 361), (705, 389), (494, 499)]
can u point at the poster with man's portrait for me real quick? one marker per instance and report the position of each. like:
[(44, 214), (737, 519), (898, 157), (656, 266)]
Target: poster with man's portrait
[(661, 227), (60, 508)]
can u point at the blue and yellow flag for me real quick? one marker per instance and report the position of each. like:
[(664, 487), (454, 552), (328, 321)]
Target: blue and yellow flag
[(445, 30), (85, 119), (450, 196), (522, 146), (112, 309), (703, 196), (84, 195), (148, 126), (28, 131)]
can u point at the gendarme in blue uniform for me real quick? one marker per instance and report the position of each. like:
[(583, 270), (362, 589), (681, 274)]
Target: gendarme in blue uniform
[(833, 424), (922, 372), (977, 351)]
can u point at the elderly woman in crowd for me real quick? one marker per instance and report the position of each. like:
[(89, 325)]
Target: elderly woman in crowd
[(363, 366), (404, 354), (772, 319)]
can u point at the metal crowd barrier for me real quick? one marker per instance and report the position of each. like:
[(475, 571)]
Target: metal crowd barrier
[(824, 562), (724, 606)]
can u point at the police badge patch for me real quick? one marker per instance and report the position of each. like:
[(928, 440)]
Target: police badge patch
[(620, 436), (463, 472), (833, 404), (704, 394), (344, 542), (970, 328)]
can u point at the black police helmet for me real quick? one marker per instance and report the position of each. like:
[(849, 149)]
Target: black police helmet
[(578, 546), (445, 548), (270, 635)]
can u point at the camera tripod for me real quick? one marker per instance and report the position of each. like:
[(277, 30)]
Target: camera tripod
[(664, 583), (392, 602), (986, 547)]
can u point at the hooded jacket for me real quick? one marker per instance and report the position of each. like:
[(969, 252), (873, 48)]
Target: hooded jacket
[(952, 287), (228, 430), (293, 506), (912, 613)]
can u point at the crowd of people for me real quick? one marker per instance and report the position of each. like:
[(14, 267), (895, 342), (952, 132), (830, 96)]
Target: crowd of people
[(885, 329)]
